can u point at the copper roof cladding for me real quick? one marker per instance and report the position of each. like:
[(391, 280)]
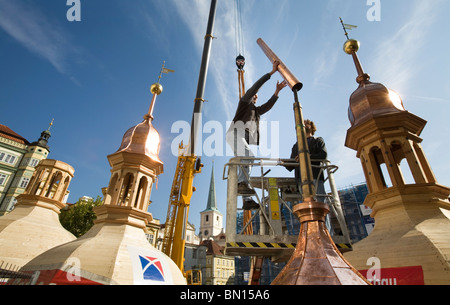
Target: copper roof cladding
[(372, 100), (7, 133), (316, 259), (142, 139)]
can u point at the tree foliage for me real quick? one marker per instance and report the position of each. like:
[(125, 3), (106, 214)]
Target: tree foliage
[(79, 218)]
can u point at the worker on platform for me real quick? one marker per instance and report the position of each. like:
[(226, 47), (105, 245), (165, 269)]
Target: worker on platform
[(244, 131), (317, 153)]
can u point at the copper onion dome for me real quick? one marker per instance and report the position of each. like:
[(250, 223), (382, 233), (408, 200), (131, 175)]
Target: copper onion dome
[(144, 138), (370, 99)]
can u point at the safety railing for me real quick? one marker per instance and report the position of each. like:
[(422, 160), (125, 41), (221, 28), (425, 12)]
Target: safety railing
[(13, 275), (273, 232)]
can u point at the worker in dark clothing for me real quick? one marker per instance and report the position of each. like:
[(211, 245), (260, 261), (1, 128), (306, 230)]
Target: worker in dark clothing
[(317, 151), (244, 130)]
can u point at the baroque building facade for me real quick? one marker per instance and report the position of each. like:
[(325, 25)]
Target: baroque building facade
[(18, 159)]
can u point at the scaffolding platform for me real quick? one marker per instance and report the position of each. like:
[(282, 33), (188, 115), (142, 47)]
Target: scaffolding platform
[(275, 227)]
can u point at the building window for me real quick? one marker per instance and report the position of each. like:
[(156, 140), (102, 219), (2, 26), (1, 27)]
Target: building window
[(34, 162), (24, 182), (7, 158), (150, 237), (10, 159), (3, 179)]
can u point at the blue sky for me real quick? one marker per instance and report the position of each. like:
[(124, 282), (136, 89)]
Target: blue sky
[(93, 77)]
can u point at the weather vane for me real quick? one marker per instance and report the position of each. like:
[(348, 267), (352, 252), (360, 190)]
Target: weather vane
[(351, 47), (164, 70), (51, 124), (347, 27), (157, 89)]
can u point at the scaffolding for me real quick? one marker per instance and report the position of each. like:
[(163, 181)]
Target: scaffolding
[(358, 221), (275, 227)]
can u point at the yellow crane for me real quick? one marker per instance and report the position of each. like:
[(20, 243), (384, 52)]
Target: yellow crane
[(177, 213), (188, 166)]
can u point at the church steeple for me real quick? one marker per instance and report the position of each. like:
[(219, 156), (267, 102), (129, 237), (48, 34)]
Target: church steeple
[(211, 218), (212, 202)]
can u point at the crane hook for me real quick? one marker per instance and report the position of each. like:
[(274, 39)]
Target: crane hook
[(240, 62)]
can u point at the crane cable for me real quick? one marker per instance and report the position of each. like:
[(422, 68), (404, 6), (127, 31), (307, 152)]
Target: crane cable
[(240, 63), (238, 28), (240, 59)]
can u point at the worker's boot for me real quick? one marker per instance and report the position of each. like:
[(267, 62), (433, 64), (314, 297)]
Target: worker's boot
[(244, 189), (250, 204)]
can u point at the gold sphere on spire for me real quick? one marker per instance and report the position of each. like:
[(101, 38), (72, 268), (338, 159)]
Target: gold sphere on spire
[(156, 88), (351, 45)]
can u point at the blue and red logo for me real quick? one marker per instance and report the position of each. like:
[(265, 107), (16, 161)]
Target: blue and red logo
[(152, 268)]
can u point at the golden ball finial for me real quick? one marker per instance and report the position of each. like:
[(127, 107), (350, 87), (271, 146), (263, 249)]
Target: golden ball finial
[(156, 88), (351, 45)]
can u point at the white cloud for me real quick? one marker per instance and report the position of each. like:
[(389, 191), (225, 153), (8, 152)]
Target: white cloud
[(396, 58), (195, 15), (428, 99), (325, 65), (32, 30)]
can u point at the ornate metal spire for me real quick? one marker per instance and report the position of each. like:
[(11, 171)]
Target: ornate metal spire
[(351, 47), (156, 89), (370, 99)]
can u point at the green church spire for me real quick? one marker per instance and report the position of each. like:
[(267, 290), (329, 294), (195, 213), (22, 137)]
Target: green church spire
[(212, 202)]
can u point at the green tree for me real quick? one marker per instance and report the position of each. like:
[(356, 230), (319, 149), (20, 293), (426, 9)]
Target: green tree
[(79, 218)]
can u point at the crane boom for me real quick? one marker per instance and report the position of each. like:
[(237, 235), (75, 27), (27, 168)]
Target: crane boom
[(196, 116), (188, 165)]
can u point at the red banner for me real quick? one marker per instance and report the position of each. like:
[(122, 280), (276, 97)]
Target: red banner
[(395, 276)]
